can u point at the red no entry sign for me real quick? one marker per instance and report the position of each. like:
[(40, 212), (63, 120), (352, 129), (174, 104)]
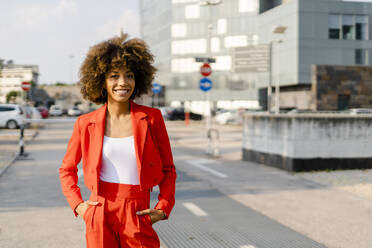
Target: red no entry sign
[(206, 70), (26, 86)]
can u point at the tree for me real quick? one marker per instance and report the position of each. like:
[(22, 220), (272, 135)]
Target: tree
[(12, 95)]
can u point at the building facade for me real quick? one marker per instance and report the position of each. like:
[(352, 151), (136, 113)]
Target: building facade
[(12, 75), (320, 32)]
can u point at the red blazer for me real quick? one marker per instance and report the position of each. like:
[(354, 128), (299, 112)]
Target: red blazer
[(154, 156)]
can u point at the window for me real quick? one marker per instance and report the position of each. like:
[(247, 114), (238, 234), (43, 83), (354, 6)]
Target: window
[(347, 27), (248, 5), (192, 11), (334, 27), (236, 41), (179, 30), (360, 56), (361, 27), (215, 44), (223, 63), (184, 65), (221, 26), (189, 46)]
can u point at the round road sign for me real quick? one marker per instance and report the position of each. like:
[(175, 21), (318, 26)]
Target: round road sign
[(156, 88), (206, 70), (26, 86), (205, 84)]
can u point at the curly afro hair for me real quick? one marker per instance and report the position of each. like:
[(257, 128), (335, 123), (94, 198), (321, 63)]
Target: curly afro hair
[(116, 52)]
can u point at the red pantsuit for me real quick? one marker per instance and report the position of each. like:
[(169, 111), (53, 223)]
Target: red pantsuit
[(114, 223)]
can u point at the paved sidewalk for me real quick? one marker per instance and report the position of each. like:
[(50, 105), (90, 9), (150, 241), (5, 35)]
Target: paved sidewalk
[(334, 214)]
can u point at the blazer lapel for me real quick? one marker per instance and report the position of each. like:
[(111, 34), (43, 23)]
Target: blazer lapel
[(96, 133), (139, 125)]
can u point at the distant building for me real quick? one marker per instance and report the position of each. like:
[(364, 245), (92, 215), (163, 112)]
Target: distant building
[(12, 75), (316, 32)]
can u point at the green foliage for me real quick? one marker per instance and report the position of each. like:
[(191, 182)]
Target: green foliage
[(12, 95), (60, 84)]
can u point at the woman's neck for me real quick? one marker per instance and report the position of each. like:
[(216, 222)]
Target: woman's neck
[(118, 109)]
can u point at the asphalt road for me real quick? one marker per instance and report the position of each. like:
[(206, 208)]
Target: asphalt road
[(34, 213)]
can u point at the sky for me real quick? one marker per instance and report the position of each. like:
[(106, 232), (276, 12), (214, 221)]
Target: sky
[(48, 32)]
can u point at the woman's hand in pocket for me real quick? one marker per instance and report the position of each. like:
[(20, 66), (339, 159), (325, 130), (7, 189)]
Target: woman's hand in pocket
[(82, 207), (155, 214)]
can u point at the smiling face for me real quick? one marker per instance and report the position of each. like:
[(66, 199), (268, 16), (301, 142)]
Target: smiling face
[(120, 85)]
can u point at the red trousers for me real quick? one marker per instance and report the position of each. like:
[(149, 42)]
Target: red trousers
[(113, 223)]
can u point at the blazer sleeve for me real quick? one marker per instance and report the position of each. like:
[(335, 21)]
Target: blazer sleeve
[(168, 184), (68, 170)]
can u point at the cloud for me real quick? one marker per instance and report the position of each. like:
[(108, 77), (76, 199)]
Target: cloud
[(129, 22), (37, 17)]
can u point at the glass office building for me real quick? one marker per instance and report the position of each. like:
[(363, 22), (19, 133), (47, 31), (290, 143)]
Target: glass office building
[(316, 32)]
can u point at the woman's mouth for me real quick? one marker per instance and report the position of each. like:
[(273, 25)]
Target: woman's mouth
[(121, 92)]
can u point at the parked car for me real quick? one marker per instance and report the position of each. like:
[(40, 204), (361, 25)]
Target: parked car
[(55, 110), (11, 115), (43, 111), (165, 112), (356, 111), (35, 114), (74, 111), (179, 114)]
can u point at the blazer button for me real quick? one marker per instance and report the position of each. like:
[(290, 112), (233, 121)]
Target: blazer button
[(151, 163)]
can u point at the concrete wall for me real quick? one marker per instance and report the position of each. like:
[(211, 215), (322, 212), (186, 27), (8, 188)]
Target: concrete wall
[(308, 142)]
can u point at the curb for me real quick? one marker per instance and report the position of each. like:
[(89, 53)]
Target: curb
[(3, 169), (11, 161)]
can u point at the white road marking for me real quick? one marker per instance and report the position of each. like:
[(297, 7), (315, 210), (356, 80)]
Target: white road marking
[(247, 246), (199, 164), (195, 209)]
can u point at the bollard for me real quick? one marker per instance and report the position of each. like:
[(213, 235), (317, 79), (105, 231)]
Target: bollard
[(21, 141), (213, 139), (187, 118)]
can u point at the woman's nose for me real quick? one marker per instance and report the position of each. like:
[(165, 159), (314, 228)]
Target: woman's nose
[(121, 80)]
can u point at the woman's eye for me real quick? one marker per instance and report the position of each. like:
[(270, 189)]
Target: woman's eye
[(131, 76), (114, 76)]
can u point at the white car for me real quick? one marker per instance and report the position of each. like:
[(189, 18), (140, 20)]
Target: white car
[(75, 111), (55, 110), (11, 115)]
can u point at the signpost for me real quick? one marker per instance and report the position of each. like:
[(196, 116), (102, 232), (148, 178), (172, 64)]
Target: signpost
[(251, 59), (26, 86), (205, 84), (156, 89), (206, 70)]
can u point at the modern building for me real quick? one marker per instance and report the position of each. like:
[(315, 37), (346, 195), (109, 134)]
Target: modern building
[(320, 32), (12, 75)]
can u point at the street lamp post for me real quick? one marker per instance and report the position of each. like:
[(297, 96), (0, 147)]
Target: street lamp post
[(71, 57), (209, 4), (276, 30)]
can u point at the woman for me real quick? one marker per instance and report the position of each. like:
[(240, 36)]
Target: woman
[(124, 148)]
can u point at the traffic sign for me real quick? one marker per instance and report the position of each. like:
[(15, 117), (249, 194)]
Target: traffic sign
[(205, 84), (205, 60), (156, 88), (251, 59), (205, 70), (26, 86)]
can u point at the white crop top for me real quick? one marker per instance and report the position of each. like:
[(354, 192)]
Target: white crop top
[(119, 163)]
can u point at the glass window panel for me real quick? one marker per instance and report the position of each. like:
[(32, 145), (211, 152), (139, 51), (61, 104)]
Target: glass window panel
[(223, 63), (347, 27), (248, 5), (179, 30), (189, 46), (184, 65), (192, 11), (236, 41), (370, 57), (334, 21), (215, 44), (361, 19), (221, 26), (360, 56)]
